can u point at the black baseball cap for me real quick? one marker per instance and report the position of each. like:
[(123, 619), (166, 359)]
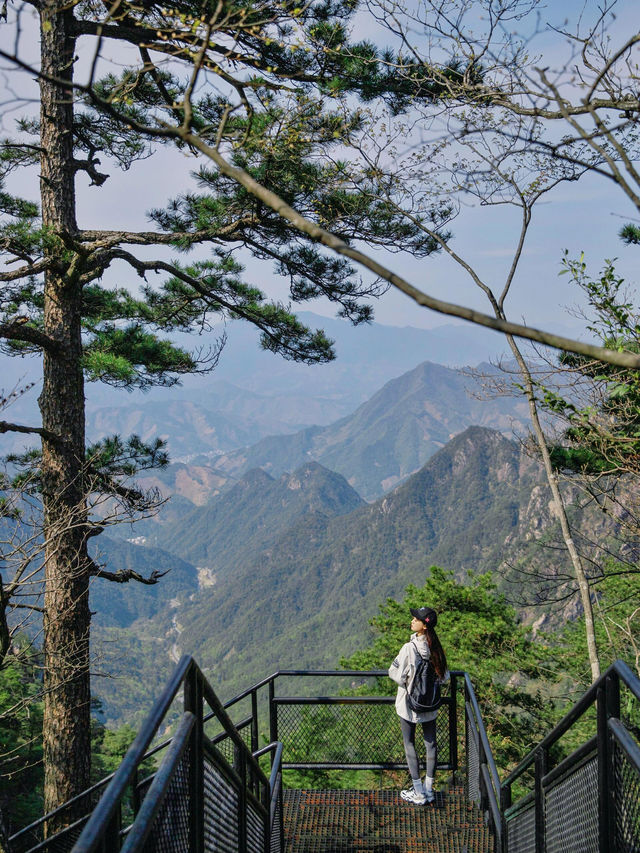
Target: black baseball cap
[(426, 615)]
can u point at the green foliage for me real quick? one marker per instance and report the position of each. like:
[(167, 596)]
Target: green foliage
[(602, 435), (130, 356), (617, 624), (21, 773), (617, 629), (630, 234), (480, 633), (108, 748)]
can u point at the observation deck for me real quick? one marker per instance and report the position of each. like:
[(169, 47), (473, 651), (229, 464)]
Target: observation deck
[(213, 787)]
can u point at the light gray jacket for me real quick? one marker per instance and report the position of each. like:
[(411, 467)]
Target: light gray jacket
[(403, 670)]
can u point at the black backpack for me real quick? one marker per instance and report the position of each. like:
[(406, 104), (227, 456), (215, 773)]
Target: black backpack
[(424, 695)]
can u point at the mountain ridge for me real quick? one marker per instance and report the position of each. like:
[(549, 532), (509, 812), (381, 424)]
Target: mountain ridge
[(388, 437), (304, 598)]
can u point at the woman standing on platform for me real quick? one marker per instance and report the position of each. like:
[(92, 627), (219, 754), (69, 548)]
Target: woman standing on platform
[(421, 652)]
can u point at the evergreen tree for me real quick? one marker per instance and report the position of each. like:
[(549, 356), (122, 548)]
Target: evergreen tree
[(285, 62)]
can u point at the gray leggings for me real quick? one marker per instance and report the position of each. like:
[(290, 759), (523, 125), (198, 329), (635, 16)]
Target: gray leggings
[(409, 737)]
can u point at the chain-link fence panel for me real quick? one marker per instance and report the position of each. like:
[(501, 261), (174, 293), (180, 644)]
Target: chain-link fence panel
[(170, 829), (224, 744), (521, 830), (571, 810), (256, 837), (351, 734), (472, 750), (626, 800), (275, 840)]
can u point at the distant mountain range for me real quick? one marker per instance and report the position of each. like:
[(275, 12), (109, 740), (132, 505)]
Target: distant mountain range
[(294, 583), (253, 393), (249, 517), (391, 435)]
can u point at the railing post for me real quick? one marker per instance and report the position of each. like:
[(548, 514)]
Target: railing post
[(505, 802), (193, 702), (254, 721), (540, 770), (273, 713), (608, 705), (453, 724)]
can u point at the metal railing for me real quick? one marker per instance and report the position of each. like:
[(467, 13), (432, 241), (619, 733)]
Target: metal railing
[(207, 793), (210, 791), (482, 780), (588, 800), (210, 781)]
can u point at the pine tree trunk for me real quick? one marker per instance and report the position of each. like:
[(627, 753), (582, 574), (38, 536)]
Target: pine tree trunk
[(66, 621)]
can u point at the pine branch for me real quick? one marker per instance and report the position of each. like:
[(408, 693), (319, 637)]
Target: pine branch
[(89, 166), (125, 575), (6, 426), (215, 300), (31, 269), (18, 330), (111, 239)]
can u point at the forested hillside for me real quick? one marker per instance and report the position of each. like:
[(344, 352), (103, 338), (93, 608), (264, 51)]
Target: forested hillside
[(303, 591)]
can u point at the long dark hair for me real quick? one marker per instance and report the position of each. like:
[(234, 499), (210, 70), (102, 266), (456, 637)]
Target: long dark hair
[(438, 657)]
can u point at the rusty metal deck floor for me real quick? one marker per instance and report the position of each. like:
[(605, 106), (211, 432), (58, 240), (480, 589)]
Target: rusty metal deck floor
[(381, 822)]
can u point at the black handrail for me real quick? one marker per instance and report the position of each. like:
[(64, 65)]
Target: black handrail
[(495, 778), (489, 780), (197, 690), (152, 803), (618, 668), (245, 775), (104, 821), (275, 785), (110, 800), (596, 754)]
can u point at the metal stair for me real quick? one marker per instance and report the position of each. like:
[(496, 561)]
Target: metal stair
[(380, 822)]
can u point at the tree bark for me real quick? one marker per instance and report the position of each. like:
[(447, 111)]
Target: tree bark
[(66, 721)]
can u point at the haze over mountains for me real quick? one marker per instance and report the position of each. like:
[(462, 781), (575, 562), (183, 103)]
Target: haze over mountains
[(253, 393), (391, 435), (302, 497)]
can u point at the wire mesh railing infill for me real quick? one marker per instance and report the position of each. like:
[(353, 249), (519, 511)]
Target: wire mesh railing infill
[(590, 799)]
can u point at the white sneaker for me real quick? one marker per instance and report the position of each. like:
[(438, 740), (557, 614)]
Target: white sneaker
[(429, 795), (410, 796)]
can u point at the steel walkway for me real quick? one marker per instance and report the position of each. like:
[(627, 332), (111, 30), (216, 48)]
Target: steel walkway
[(380, 822)]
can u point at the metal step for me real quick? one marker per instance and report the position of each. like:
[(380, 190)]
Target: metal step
[(381, 822)]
